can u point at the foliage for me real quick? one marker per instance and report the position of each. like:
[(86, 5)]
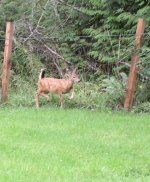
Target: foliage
[(22, 93), (26, 65), (95, 36), (142, 108), (11, 10), (116, 89), (144, 65)]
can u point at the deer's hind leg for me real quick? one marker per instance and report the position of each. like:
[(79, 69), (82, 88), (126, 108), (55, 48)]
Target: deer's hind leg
[(61, 100), (38, 94)]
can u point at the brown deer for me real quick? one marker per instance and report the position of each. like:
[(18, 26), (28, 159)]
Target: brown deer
[(57, 86)]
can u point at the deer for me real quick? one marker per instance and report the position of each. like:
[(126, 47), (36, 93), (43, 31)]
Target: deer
[(57, 86)]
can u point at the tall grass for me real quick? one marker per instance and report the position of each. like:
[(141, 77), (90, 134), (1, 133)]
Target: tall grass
[(73, 145), (106, 95), (87, 95)]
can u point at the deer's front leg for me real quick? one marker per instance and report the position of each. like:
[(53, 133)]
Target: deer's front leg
[(72, 94), (46, 96), (37, 100)]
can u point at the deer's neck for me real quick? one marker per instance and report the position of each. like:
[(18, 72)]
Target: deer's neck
[(70, 83)]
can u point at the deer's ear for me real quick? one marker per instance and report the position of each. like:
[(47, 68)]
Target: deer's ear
[(64, 71), (74, 70)]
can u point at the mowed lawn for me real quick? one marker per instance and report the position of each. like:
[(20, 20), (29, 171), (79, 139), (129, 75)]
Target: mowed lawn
[(52, 145)]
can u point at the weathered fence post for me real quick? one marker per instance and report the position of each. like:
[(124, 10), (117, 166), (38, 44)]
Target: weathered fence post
[(7, 60), (132, 80)]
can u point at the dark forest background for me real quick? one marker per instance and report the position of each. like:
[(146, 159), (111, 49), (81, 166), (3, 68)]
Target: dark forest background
[(96, 36)]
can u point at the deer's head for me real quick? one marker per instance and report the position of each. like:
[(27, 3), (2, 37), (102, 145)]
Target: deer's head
[(73, 76)]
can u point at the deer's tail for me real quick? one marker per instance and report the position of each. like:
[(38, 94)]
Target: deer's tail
[(42, 73)]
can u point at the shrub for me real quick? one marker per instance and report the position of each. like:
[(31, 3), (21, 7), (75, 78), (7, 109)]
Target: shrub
[(115, 89), (142, 107)]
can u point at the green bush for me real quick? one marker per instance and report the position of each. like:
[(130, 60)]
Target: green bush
[(22, 93), (142, 108), (26, 65), (115, 90)]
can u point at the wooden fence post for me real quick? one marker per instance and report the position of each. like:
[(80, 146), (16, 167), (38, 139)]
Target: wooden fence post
[(132, 80), (7, 60)]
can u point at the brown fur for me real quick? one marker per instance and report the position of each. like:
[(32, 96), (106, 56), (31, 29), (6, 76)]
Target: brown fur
[(57, 86)]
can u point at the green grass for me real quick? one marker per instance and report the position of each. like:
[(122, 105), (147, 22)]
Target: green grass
[(73, 145)]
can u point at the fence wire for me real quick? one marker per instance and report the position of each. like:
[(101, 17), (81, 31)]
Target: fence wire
[(83, 36)]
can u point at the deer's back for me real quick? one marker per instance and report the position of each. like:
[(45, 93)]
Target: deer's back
[(54, 85)]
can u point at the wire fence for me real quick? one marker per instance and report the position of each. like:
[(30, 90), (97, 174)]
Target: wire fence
[(84, 36)]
